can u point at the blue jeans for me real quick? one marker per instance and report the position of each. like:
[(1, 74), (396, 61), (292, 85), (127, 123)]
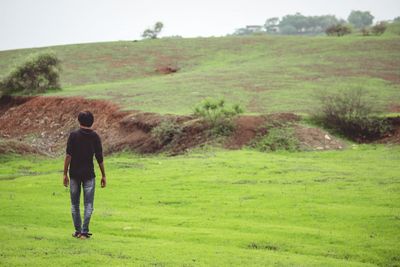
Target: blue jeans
[(88, 198)]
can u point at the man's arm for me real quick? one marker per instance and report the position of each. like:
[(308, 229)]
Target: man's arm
[(103, 174), (98, 150), (67, 161)]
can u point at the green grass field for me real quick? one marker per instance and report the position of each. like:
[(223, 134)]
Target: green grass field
[(263, 74), (210, 208)]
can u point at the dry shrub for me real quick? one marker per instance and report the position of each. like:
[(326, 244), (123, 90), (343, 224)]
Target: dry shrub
[(352, 114)]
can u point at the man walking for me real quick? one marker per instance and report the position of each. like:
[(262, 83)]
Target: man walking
[(82, 145)]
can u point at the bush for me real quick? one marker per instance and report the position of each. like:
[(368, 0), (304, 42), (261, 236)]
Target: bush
[(166, 131), (351, 114), (379, 28), (338, 30), (281, 138), (38, 74), (217, 115)]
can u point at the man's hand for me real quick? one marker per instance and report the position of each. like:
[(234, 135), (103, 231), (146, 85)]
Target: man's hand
[(66, 180), (103, 182)]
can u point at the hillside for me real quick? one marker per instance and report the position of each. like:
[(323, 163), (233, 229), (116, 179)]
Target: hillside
[(263, 74)]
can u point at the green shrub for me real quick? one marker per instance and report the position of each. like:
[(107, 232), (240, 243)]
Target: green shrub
[(38, 74), (351, 113), (338, 30), (217, 115), (279, 135), (166, 131)]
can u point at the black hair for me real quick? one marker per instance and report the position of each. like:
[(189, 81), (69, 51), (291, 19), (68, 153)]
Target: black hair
[(86, 118)]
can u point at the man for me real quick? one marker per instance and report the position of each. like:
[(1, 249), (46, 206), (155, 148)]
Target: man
[(81, 146)]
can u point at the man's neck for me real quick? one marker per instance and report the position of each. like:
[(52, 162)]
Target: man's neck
[(85, 127)]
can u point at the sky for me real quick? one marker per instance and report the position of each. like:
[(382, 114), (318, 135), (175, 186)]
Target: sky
[(38, 23)]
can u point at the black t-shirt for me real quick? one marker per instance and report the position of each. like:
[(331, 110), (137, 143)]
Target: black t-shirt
[(81, 146)]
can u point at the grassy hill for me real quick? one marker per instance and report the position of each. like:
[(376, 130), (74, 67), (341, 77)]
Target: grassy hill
[(263, 74)]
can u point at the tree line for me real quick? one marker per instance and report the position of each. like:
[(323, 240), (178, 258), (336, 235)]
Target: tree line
[(298, 24)]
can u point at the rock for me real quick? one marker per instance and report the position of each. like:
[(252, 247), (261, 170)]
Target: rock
[(327, 137)]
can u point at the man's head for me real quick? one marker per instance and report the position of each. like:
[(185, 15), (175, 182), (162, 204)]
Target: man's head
[(85, 118)]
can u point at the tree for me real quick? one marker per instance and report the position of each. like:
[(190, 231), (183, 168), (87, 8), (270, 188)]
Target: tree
[(242, 31), (299, 24), (271, 25), (326, 21), (287, 29), (360, 19), (291, 24), (153, 33)]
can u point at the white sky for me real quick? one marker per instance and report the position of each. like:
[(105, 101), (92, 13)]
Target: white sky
[(35, 23)]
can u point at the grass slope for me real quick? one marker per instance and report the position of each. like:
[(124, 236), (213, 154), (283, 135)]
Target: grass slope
[(263, 74), (218, 208)]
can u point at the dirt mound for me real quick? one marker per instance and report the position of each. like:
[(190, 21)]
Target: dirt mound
[(45, 123)]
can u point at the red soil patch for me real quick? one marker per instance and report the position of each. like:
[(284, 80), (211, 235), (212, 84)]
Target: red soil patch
[(394, 107), (167, 70), (247, 128), (45, 123)]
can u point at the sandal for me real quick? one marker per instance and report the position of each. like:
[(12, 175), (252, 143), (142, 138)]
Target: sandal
[(76, 234), (85, 235)]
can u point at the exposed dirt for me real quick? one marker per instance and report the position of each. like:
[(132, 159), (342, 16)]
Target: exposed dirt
[(7, 102), (394, 107), (167, 70), (316, 139), (45, 123), (247, 128)]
